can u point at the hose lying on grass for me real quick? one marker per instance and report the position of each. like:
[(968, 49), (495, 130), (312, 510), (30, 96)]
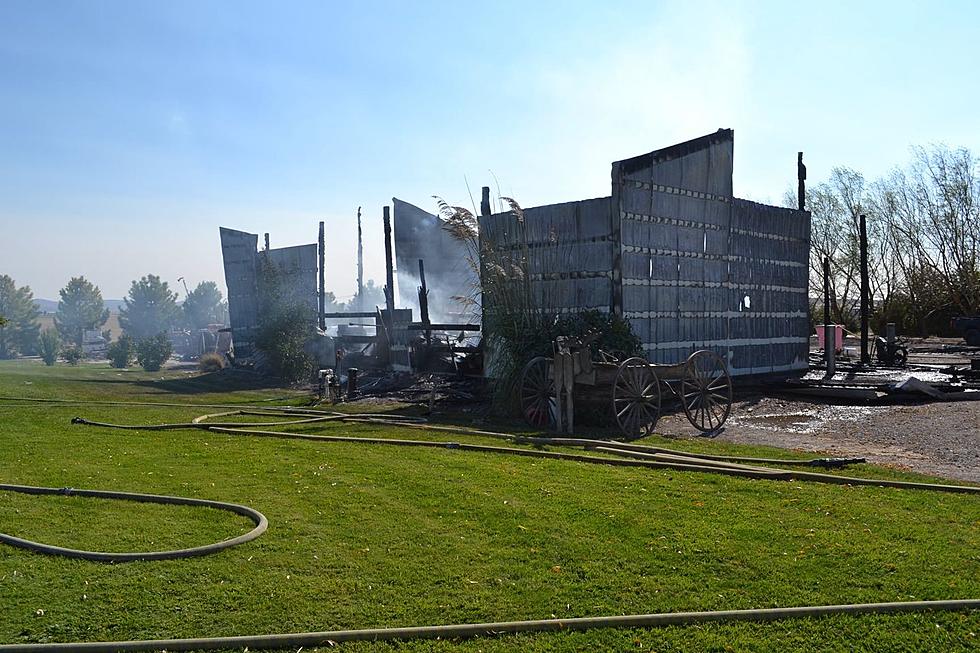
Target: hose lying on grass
[(626, 454), (257, 518), (459, 631)]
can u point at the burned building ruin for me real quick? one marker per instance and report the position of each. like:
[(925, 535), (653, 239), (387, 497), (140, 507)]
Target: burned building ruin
[(671, 249), (297, 266)]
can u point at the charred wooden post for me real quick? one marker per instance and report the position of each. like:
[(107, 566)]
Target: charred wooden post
[(829, 340), (485, 202), (352, 382), (615, 240), (322, 290), (865, 294), (360, 264), (424, 302), (800, 181), (389, 268)]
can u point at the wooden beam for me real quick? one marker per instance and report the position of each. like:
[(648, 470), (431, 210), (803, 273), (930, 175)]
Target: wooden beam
[(485, 202), (322, 294), (800, 181), (865, 292), (424, 300), (337, 315), (389, 267), (419, 326)]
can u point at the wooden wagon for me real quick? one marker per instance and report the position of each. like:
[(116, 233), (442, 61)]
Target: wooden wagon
[(631, 388)]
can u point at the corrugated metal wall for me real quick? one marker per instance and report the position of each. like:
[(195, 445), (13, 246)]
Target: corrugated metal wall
[(703, 270), (238, 252), (298, 267), (675, 211), (768, 324), (688, 264), (570, 247)]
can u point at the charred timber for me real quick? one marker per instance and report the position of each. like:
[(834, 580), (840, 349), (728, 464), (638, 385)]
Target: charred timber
[(420, 326)]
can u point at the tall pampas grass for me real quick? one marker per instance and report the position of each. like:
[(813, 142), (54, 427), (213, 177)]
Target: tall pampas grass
[(518, 314)]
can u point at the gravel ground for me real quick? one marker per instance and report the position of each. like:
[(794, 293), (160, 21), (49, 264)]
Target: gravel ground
[(941, 439)]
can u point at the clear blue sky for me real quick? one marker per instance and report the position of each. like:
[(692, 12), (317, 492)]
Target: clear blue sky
[(130, 130)]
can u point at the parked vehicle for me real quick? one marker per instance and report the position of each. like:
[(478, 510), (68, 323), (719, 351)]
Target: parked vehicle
[(969, 328)]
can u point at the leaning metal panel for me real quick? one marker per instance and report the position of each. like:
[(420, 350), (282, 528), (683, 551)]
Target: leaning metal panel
[(238, 252)]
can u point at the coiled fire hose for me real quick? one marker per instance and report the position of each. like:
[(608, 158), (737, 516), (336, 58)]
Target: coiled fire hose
[(257, 518), (633, 455)]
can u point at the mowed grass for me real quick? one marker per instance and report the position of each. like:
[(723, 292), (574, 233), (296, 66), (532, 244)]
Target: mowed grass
[(370, 535)]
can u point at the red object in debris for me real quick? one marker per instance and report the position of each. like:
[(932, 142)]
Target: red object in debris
[(838, 333)]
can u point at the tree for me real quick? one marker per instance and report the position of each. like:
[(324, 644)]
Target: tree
[(204, 305), (149, 309), (937, 214), (286, 324), (835, 207), (48, 346), (80, 309), (18, 333), (923, 223), (152, 352), (373, 296), (72, 354), (120, 352)]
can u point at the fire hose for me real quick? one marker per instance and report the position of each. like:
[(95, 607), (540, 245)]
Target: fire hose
[(616, 454)]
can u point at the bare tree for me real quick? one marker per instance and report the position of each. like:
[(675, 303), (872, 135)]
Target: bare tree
[(835, 206)]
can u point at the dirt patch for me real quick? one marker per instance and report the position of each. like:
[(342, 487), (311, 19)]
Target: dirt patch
[(941, 439)]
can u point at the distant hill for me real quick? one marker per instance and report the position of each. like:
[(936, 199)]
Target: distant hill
[(51, 305), (46, 305)]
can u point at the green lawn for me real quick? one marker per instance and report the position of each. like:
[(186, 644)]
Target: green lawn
[(369, 535)]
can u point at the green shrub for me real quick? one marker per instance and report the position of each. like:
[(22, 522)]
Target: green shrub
[(72, 355), (48, 345), (120, 352), (286, 323), (154, 351), (212, 362), (281, 338)]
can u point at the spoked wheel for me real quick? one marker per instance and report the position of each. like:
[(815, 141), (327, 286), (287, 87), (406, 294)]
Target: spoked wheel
[(636, 398), (537, 393), (706, 390)]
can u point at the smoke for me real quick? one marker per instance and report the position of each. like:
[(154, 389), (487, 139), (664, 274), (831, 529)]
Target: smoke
[(451, 299), (449, 276)]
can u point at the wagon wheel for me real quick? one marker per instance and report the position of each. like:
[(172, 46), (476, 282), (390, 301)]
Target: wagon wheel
[(537, 393), (706, 390), (636, 398)]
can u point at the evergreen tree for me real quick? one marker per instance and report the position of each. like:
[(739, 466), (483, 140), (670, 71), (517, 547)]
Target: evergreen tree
[(18, 333), (49, 344), (204, 305), (149, 308), (80, 309)]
